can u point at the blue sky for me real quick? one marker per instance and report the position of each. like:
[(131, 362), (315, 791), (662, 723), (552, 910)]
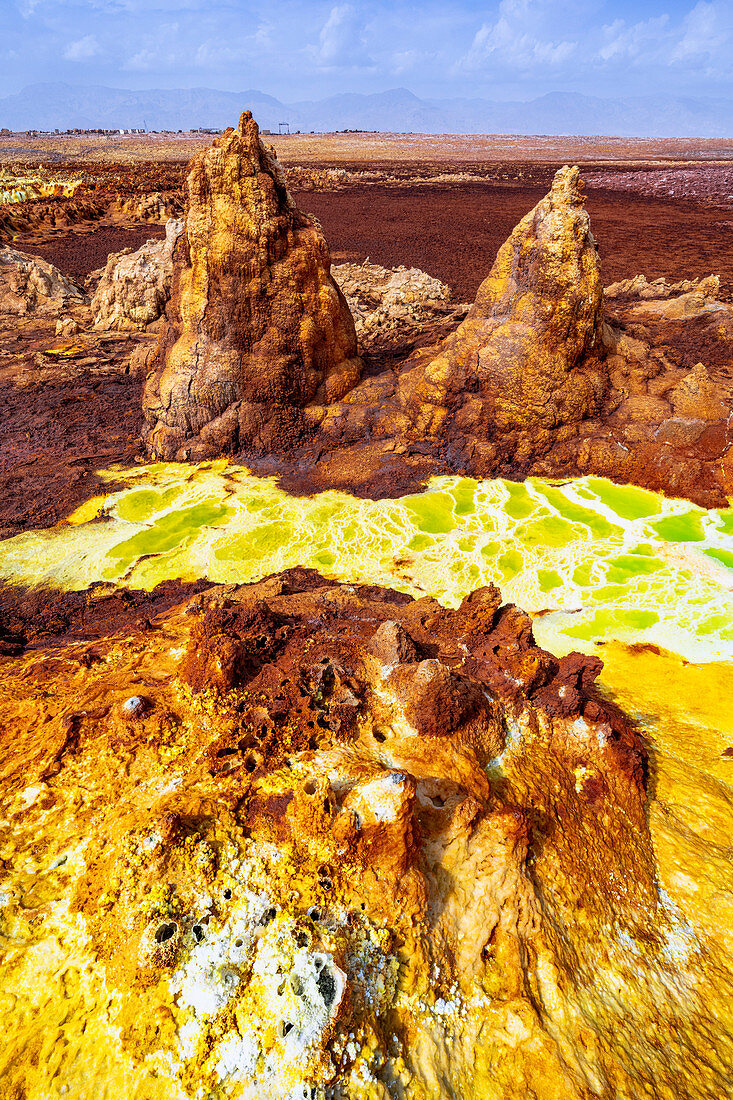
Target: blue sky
[(511, 49)]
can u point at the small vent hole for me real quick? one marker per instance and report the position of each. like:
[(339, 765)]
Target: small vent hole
[(165, 932)]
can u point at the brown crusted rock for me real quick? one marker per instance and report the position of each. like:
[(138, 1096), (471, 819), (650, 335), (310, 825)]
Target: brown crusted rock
[(643, 409), (255, 318), (696, 397), (228, 646), (535, 319), (392, 645), (67, 326), (438, 702)]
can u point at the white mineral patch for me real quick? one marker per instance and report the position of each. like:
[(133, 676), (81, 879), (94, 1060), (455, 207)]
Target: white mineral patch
[(211, 975), (582, 728), (30, 794), (513, 737), (382, 798), (237, 1057), (303, 990), (681, 938), (151, 841), (188, 1037), (627, 941)]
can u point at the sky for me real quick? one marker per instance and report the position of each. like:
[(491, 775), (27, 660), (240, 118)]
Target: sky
[(297, 50)]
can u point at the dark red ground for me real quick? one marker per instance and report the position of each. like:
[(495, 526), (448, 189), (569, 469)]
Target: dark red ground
[(455, 232), (76, 253)]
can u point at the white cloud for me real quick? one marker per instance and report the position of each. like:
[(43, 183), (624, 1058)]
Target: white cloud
[(219, 52), (145, 60), (28, 7), (160, 51), (707, 32), (518, 39), (636, 40), (404, 61), (553, 39), (342, 41), (83, 49), (215, 53)]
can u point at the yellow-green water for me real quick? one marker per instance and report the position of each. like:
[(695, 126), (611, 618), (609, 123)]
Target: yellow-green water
[(607, 561)]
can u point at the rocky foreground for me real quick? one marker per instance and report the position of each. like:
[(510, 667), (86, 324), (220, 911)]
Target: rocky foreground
[(301, 839)]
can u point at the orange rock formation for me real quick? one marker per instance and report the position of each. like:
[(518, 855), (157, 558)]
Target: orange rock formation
[(257, 328), (538, 379), (542, 378)]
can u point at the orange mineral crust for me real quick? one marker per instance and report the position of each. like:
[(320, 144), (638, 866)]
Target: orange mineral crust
[(298, 838)]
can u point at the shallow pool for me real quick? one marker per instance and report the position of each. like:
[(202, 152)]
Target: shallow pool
[(599, 560)]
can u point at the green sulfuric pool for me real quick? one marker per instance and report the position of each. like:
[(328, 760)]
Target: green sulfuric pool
[(599, 560)]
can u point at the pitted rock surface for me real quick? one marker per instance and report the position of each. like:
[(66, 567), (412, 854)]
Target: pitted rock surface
[(283, 863)]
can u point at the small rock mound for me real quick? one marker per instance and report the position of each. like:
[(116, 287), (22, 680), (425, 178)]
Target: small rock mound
[(135, 286), (315, 179), (156, 206), (640, 287), (29, 284), (388, 303), (257, 327)]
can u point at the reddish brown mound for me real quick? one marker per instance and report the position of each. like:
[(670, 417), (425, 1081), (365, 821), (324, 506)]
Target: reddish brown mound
[(39, 617)]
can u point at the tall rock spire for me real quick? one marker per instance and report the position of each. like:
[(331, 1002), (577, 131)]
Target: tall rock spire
[(256, 327)]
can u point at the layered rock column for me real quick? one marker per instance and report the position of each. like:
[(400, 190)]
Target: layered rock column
[(519, 360), (256, 327)]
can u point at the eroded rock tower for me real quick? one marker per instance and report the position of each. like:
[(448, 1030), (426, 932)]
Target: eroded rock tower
[(256, 327)]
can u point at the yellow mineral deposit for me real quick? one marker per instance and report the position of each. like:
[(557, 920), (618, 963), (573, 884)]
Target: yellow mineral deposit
[(160, 942), (15, 189), (597, 560)]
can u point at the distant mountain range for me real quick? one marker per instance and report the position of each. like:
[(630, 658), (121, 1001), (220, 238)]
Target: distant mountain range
[(63, 106)]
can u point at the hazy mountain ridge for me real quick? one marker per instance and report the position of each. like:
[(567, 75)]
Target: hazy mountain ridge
[(62, 106)]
